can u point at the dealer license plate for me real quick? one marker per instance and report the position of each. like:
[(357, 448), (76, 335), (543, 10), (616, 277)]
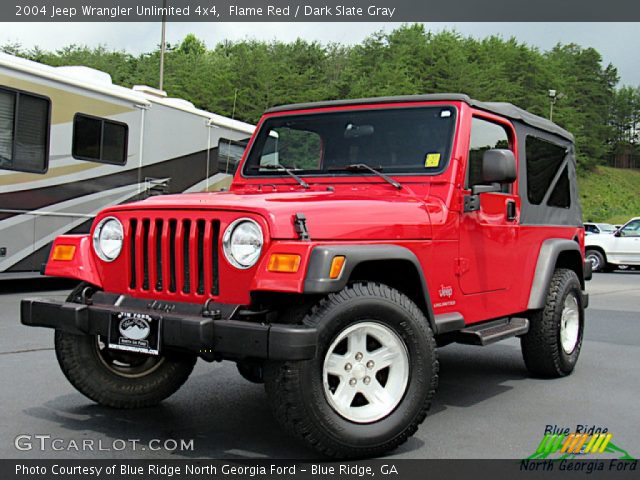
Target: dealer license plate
[(135, 332)]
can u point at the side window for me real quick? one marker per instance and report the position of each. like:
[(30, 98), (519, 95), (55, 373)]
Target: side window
[(561, 195), (632, 229), (292, 148), (229, 154), (544, 159), (24, 131), (485, 135), (99, 140)]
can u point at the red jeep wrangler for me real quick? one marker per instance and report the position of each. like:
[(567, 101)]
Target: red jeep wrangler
[(357, 235)]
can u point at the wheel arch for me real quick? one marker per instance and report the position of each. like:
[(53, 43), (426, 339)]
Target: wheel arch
[(395, 266), (554, 253)]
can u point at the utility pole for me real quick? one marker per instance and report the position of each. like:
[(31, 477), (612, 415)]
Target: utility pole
[(163, 43), (554, 96), (552, 100)]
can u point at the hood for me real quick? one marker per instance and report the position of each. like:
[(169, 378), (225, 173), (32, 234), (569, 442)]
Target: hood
[(354, 214)]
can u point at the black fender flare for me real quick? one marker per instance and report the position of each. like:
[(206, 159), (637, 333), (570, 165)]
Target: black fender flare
[(317, 279), (550, 250)]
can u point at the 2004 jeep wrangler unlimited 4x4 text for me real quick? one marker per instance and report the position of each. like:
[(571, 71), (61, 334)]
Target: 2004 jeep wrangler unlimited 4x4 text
[(356, 237)]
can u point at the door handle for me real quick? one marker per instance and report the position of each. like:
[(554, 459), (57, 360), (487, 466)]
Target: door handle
[(511, 210)]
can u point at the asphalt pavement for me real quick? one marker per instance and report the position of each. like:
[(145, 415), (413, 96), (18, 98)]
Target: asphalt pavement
[(486, 405)]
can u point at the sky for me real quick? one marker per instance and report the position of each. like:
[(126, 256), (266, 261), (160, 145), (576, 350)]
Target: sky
[(617, 42)]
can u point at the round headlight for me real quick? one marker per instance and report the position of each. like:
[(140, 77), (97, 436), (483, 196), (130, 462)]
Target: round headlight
[(107, 239), (242, 243)]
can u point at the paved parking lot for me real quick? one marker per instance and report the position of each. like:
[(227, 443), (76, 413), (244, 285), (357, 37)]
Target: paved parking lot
[(486, 406)]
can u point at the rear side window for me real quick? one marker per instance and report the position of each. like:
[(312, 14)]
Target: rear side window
[(99, 140), (24, 131), (485, 136), (561, 196), (544, 160)]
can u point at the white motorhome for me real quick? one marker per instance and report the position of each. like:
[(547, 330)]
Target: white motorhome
[(72, 143)]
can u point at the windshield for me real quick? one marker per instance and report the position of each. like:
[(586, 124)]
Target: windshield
[(398, 140), (606, 228)]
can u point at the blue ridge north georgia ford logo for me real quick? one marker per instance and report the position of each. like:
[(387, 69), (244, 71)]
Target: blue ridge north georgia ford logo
[(134, 328)]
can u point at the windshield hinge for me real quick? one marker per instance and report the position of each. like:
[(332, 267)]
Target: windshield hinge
[(300, 224)]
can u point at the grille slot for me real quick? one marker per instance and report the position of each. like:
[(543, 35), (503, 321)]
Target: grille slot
[(145, 254), (186, 264), (200, 250), (174, 256), (158, 254), (215, 235), (133, 225)]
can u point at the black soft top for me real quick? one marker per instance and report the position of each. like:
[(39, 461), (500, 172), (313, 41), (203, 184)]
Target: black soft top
[(500, 108)]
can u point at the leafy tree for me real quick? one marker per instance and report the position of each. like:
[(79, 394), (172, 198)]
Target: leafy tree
[(243, 78), (191, 45)]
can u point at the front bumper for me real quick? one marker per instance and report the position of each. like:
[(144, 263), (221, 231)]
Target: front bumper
[(215, 335)]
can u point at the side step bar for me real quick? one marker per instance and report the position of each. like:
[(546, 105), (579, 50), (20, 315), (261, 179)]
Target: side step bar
[(487, 333)]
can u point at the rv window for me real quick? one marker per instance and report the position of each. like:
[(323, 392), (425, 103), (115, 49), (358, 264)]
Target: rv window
[(543, 162), (229, 154), (99, 140), (24, 131)]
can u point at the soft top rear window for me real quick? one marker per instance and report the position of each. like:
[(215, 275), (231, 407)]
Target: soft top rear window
[(413, 140)]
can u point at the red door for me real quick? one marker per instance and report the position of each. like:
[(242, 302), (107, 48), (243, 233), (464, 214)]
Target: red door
[(488, 259)]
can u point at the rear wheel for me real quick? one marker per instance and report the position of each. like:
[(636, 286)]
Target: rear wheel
[(371, 383), (597, 259), (552, 345)]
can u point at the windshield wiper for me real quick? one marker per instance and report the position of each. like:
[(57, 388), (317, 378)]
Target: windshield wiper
[(359, 167), (282, 168)]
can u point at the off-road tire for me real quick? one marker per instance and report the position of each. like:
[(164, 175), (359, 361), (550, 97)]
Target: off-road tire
[(295, 389), (602, 261), (541, 347), (79, 360)]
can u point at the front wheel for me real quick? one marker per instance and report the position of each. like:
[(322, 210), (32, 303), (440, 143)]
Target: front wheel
[(371, 383), (552, 345), (116, 378), (119, 379)]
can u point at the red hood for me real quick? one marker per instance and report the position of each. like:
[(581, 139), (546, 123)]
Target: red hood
[(349, 214)]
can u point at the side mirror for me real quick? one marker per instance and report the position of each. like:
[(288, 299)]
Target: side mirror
[(617, 233), (498, 166)]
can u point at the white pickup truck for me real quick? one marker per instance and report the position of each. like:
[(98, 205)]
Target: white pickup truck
[(606, 251)]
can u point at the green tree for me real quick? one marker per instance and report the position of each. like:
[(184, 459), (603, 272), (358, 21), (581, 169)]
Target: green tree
[(243, 78)]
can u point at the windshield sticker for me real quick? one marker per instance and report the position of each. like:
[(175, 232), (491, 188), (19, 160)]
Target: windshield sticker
[(432, 160)]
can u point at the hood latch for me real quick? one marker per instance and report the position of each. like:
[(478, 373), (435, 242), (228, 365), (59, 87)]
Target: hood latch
[(300, 224)]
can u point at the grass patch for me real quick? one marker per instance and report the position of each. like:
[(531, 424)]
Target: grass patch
[(610, 195)]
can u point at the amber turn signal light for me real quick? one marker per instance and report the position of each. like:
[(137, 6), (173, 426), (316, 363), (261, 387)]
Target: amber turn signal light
[(284, 262), (336, 267), (63, 253)]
